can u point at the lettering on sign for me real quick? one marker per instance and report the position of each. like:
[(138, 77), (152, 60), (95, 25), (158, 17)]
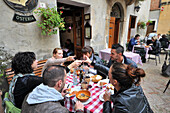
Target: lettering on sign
[(23, 7), (23, 19)]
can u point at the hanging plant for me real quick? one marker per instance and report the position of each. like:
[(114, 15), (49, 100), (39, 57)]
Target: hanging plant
[(50, 20), (149, 22), (141, 25)]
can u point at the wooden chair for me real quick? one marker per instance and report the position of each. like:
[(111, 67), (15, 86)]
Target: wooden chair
[(9, 73)]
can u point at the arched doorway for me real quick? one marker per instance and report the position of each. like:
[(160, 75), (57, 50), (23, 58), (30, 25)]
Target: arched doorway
[(116, 17)]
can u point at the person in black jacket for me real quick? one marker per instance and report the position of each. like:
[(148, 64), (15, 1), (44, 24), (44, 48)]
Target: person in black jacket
[(89, 52), (164, 42), (24, 80), (156, 47), (115, 56), (129, 97)]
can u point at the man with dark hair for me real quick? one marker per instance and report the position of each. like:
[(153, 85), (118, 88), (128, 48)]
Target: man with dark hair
[(46, 97), (89, 52), (133, 41), (115, 56)]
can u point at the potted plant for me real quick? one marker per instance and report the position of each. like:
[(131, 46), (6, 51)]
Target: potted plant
[(149, 21), (50, 20), (141, 25)]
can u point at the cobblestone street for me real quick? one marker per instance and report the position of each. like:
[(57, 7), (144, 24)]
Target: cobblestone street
[(154, 84)]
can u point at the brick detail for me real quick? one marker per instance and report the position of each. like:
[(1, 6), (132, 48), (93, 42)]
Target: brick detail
[(154, 4)]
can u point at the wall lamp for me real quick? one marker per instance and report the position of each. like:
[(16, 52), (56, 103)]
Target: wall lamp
[(137, 8)]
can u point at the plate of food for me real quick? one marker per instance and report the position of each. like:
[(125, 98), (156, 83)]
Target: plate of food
[(96, 78), (84, 96), (71, 94), (103, 82)]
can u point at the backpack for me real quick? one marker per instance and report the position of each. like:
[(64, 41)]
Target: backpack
[(165, 67)]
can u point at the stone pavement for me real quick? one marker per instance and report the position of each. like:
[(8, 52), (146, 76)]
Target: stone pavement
[(154, 84)]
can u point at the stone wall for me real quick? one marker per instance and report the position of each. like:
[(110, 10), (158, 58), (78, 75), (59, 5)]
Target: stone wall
[(142, 15), (17, 37), (164, 25)]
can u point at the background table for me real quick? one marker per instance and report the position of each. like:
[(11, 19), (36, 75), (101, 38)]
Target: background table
[(105, 55), (145, 48), (95, 106)]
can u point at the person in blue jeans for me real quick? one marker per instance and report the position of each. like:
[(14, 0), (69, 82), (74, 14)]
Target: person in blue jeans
[(133, 41)]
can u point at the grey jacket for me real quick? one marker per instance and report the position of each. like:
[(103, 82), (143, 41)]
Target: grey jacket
[(43, 99), (46, 107)]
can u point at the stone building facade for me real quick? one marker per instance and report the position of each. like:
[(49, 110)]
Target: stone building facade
[(154, 15), (27, 37), (163, 24)]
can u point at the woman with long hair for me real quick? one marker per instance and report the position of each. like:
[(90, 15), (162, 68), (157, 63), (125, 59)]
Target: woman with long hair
[(129, 97)]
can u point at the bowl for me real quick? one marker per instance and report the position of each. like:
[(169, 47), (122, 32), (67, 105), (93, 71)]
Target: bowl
[(96, 78), (83, 95)]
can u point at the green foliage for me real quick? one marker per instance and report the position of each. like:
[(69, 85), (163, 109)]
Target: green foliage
[(149, 21), (51, 19), (142, 25)]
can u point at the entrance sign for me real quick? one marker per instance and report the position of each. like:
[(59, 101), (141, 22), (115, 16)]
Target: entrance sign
[(23, 19), (22, 6)]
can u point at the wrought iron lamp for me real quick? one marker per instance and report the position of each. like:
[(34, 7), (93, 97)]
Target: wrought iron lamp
[(137, 8)]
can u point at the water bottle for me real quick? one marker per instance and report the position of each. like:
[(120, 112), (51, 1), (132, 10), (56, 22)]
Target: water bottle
[(75, 78)]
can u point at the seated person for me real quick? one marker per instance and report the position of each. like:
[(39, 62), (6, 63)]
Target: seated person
[(129, 97), (46, 97), (24, 80), (149, 39), (89, 52), (115, 56), (164, 42), (70, 46), (156, 47), (57, 58), (133, 41)]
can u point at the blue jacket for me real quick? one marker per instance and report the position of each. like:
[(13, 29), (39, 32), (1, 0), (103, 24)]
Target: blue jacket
[(132, 42)]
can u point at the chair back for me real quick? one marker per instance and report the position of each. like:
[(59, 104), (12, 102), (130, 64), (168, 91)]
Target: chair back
[(10, 107)]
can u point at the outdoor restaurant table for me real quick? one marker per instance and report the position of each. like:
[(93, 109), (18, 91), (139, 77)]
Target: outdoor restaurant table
[(105, 55), (145, 48), (94, 106)]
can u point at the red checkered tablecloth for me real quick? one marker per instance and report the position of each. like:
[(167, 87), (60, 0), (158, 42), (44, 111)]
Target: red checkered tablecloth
[(95, 106)]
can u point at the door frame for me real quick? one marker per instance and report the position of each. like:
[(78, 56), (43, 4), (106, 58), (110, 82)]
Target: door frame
[(78, 48)]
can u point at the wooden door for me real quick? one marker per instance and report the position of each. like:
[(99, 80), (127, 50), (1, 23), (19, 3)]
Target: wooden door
[(116, 34), (150, 27), (132, 21), (78, 26), (111, 31), (129, 29)]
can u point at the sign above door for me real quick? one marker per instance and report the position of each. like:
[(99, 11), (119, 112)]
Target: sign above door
[(22, 6)]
